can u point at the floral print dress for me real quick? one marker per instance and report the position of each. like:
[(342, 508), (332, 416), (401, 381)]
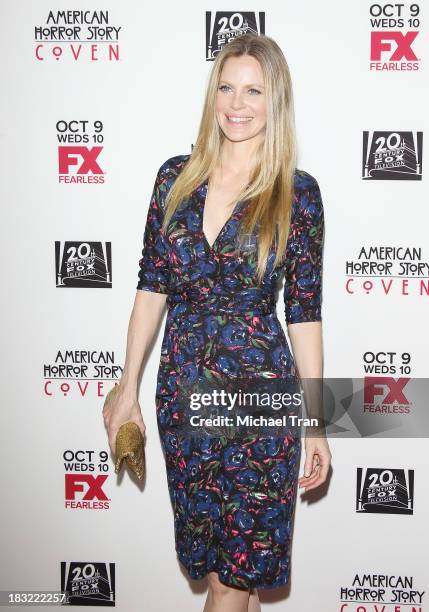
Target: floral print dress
[(233, 501)]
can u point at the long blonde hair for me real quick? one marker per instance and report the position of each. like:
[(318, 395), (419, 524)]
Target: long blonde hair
[(271, 188)]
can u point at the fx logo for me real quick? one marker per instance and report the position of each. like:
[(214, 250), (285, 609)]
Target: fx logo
[(395, 43), (386, 388), (83, 158), (74, 483)]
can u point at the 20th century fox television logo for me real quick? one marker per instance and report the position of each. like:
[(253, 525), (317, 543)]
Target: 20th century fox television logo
[(390, 155)]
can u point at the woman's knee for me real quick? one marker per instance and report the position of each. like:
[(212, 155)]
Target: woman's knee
[(219, 589)]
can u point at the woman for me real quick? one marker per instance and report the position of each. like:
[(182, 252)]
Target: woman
[(233, 500)]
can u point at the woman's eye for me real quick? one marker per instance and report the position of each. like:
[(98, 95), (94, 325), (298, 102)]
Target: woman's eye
[(252, 89)]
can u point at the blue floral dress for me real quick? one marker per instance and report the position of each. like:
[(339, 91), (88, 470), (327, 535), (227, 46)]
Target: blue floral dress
[(233, 501)]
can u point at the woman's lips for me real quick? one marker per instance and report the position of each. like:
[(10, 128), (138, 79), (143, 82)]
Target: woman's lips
[(238, 121)]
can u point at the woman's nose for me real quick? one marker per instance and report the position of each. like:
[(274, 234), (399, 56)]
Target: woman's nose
[(237, 100)]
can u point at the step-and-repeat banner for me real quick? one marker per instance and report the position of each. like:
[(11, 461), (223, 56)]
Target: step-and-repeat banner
[(95, 97)]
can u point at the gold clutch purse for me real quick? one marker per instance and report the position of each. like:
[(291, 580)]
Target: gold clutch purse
[(129, 445)]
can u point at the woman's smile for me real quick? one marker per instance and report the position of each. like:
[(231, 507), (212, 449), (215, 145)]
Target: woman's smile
[(238, 121)]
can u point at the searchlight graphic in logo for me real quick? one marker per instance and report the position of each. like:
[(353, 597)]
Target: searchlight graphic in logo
[(83, 264), (385, 491), (223, 26), (86, 583), (392, 156)]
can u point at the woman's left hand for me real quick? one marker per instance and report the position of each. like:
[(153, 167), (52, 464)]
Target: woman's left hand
[(317, 462)]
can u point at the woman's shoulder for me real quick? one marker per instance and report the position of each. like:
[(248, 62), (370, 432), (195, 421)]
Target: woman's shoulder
[(304, 180), (173, 165), (308, 199)]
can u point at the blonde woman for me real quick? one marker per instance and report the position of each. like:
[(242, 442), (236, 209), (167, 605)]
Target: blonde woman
[(233, 499)]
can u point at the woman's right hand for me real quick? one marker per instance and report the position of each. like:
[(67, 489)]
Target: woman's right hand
[(121, 407)]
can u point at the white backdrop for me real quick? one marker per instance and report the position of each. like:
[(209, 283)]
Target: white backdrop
[(149, 102)]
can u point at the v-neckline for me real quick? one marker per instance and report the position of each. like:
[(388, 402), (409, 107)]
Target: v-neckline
[(211, 248)]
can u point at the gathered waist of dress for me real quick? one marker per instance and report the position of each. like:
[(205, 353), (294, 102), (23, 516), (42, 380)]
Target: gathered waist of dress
[(248, 302)]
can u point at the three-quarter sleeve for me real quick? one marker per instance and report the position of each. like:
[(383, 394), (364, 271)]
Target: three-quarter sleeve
[(153, 272), (304, 253)]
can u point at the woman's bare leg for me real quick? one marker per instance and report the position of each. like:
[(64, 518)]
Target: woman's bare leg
[(254, 603), (222, 598)]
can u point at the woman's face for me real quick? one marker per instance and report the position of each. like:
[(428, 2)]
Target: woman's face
[(240, 101)]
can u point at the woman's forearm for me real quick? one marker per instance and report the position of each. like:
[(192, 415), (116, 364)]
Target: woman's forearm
[(307, 348), (144, 320), (306, 340)]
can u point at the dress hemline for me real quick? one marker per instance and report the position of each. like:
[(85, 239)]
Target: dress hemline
[(193, 575)]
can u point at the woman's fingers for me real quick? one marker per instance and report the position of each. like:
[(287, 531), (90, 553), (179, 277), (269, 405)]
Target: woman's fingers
[(321, 459), (112, 441), (305, 481), (117, 410), (309, 463), (319, 480)]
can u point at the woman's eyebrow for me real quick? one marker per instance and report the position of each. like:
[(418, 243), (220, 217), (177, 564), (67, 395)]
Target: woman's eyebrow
[(248, 85)]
